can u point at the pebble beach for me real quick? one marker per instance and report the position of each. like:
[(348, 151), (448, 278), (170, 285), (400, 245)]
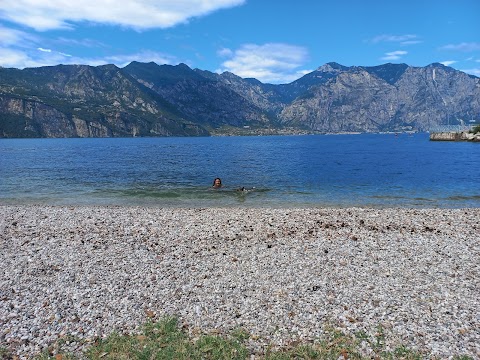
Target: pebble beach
[(283, 275)]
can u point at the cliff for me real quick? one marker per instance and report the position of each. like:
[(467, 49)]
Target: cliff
[(84, 101), (386, 98)]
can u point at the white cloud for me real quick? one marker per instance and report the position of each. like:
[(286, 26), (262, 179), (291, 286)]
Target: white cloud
[(475, 72), (22, 58), (409, 39), (448, 62), (271, 63), (465, 47), (394, 55), (12, 58), (89, 43), (411, 42), (19, 49), (225, 52), (9, 37), (139, 14)]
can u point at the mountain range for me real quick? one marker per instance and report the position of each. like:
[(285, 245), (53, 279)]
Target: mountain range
[(147, 99)]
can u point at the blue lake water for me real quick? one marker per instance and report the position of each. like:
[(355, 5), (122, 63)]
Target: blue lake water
[(368, 170)]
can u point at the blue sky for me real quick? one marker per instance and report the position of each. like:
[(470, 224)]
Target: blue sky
[(275, 41)]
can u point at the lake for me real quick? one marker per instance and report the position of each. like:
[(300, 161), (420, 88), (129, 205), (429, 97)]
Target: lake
[(367, 170)]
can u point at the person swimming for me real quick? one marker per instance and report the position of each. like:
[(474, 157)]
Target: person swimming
[(217, 183)]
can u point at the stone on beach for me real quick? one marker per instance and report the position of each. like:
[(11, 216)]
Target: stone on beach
[(281, 274)]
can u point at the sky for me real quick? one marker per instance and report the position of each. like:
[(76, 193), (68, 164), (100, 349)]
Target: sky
[(274, 41)]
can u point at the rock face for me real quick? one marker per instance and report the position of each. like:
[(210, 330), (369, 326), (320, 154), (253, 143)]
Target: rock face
[(455, 136), (84, 101), (203, 99), (386, 98), (145, 99)]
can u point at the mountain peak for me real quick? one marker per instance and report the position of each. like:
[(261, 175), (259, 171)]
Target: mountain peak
[(441, 66), (388, 72), (332, 67), (229, 74), (184, 66), (108, 67), (162, 74)]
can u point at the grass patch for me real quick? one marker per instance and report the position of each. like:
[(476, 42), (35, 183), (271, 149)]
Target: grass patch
[(166, 340), (4, 353)]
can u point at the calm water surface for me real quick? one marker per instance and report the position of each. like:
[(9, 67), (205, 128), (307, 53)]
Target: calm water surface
[(373, 170)]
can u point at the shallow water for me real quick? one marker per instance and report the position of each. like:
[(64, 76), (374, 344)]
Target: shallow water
[(372, 170)]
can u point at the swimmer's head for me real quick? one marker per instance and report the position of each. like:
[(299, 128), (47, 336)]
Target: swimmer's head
[(217, 183)]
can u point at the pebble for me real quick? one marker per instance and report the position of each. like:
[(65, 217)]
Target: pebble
[(281, 274)]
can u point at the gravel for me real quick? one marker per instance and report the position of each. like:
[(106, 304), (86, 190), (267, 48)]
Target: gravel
[(78, 273)]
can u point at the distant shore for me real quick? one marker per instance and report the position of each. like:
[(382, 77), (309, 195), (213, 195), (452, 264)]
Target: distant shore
[(79, 272), (248, 131), (455, 136)]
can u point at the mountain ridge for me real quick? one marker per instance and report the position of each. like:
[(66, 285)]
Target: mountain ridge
[(147, 99)]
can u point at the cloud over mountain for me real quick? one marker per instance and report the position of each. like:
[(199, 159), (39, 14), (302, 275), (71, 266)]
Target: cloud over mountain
[(272, 62), (394, 55)]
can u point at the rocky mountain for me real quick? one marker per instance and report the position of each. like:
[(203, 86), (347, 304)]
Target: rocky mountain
[(199, 97), (84, 101), (146, 99), (386, 98)]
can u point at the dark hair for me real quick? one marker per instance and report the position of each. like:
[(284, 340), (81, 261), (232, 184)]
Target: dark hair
[(216, 180)]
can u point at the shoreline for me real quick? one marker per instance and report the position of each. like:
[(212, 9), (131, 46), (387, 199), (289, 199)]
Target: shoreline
[(455, 136), (281, 274)]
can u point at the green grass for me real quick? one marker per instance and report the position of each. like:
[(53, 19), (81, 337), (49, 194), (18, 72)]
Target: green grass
[(166, 340)]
